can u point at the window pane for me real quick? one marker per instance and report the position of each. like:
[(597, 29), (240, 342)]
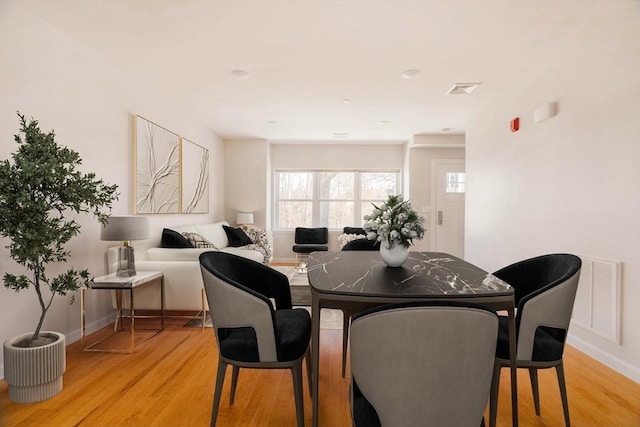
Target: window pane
[(295, 214), (295, 185), (378, 185), (336, 214), (455, 182), (336, 185), (367, 208)]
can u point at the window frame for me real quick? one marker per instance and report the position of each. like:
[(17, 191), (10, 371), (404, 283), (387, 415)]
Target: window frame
[(357, 200)]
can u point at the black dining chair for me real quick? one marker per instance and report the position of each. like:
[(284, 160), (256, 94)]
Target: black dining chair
[(250, 332), (362, 245), (545, 289), (427, 363), (309, 240)]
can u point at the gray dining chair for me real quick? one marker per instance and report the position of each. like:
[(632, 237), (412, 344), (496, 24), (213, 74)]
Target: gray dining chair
[(545, 289), (427, 363), (250, 332)]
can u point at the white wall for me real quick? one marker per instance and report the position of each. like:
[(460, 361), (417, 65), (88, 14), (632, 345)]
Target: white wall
[(88, 103), (570, 183), (245, 179), (328, 156)]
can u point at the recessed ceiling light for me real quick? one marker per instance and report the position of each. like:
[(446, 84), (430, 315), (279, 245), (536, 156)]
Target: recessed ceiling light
[(340, 134), (410, 74), (240, 74), (384, 122), (462, 88), (346, 101)]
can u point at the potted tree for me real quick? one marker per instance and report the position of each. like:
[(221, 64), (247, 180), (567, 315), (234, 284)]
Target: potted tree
[(38, 190)]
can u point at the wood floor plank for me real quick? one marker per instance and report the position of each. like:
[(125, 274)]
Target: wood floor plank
[(169, 381)]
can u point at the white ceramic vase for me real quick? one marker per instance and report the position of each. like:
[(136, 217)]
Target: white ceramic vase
[(394, 256)]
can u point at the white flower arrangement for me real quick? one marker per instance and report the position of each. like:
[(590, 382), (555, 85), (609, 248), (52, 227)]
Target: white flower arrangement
[(394, 221)]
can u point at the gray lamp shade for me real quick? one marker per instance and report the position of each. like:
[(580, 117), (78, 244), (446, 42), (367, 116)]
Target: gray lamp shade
[(125, 228)]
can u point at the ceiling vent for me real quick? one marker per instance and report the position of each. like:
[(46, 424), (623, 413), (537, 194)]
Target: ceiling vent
[(463, 88)]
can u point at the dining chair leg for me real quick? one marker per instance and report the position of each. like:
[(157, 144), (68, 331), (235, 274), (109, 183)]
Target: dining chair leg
[(204, 319), (533, 374), (296, 373), (222, 368), (307, 357), (346, 317), (234, 383), (493, 399), (563, 394)]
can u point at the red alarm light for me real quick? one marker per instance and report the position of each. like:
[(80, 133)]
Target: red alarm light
[(515, 124)]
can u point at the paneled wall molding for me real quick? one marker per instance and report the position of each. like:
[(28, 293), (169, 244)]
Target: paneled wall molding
[(597, 304)]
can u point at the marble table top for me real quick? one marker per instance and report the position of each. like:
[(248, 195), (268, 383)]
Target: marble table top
[(424, 274)]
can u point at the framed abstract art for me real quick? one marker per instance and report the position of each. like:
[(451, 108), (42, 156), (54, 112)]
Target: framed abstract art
[(195, 178), (171, 172), (157, 168)]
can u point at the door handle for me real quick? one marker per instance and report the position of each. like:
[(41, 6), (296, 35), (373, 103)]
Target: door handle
[(439, 217)]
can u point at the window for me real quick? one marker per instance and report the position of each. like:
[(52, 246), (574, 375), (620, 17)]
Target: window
[(295, 201), (336, 198), (455, 182), (374, 188), (332, 199)]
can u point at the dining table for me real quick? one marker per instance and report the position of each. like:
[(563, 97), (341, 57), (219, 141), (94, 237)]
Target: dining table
[(353, 281)]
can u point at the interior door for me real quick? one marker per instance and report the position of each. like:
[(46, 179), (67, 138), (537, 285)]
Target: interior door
[(449, 207)]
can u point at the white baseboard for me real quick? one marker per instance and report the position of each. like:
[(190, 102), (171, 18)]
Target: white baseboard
[(90, 328), (626, 369)]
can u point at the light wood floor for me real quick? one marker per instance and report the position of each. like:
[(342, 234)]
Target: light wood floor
[(169, 382)]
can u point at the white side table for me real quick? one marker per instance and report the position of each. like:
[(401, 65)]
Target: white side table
[(119, 284)]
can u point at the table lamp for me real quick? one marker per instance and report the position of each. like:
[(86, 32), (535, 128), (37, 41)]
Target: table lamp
[(244, 219), (125, 229)]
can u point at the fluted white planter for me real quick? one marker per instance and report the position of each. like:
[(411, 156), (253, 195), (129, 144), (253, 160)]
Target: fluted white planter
[(34, 374)]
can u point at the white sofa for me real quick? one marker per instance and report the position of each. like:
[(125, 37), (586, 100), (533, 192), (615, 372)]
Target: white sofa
[(183, 286)]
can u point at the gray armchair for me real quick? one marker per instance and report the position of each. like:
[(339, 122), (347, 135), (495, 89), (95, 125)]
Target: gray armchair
[(545, 290), (249, 331), (424, 363)]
